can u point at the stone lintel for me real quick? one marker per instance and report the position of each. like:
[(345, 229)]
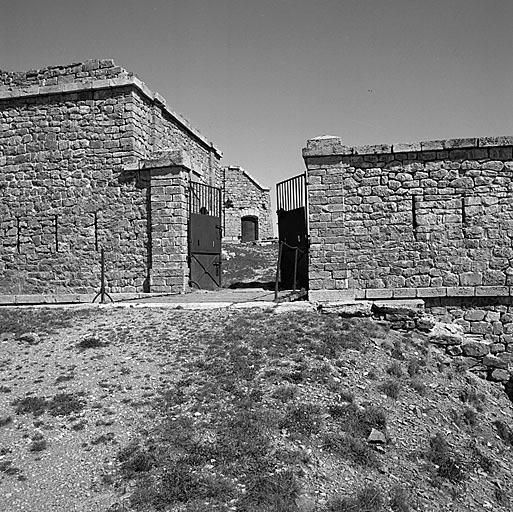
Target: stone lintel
[(162, 160)]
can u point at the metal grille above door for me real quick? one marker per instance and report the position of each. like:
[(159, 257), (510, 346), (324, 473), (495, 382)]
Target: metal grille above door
[(205, 233), (293, 232)]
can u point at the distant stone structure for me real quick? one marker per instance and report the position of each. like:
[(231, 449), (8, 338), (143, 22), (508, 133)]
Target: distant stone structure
[(247, 207), (427, 220), (91, 158)]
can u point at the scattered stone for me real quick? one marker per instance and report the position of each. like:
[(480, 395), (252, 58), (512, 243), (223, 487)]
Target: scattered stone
[(376, 436), (497, 348), (30, 337), (454, 350), (495, 362), (475, 348), (500, 375), (446, 334), (474, 315)]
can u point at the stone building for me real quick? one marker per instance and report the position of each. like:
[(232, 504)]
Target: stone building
[(427, 220), (90, 158), (247, 207)]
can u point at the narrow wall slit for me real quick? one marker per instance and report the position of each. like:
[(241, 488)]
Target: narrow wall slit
[(414, 215), (56, 231), (96, 231), (18, 235), (463, 211)]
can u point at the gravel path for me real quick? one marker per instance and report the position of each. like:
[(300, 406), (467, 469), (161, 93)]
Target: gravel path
[(116, 381)]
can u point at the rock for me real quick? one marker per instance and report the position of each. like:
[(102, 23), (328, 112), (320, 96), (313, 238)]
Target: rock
[(497, 348), (474, 315), (376, 436), (359, 309), (425, 323), (454, 350), (475, 348), (30, 337), (500, 375), (495, 362), (446, 334)]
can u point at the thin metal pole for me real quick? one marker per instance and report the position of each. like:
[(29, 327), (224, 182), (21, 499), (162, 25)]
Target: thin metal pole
[(295, 269), (278, 272), (102, 293)]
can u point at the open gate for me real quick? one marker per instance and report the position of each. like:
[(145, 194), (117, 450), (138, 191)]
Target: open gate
[(205, 233), (292, 213)]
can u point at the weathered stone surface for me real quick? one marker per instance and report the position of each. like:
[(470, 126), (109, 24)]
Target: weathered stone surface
[(475, 348), (446, 334)]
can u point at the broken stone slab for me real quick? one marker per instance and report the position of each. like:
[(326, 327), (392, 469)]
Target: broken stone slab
[(377, 437), (495, 362), (446, 334), (355, 309), (406, 308), (475, 348), (31, 338)]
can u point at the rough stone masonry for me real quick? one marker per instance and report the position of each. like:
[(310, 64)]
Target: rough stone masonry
[(429, 220), (90, 158)]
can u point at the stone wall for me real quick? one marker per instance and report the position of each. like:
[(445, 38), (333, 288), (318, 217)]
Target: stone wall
[(76, 149), (243, 196), (430, 219)]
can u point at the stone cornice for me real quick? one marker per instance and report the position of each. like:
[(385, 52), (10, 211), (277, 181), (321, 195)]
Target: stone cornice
[(332, 146), (32, 91)]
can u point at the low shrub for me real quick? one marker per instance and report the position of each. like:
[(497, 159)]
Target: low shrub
[(391, 388), (449, 465), (400, 500), (367, 499), (351, 449), (505, 433)]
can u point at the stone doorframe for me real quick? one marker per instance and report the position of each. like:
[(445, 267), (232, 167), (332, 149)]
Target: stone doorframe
[(168, 173)]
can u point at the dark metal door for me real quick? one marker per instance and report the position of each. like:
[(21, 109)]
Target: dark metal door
[(293, 232), (205, 233), (249, 229)]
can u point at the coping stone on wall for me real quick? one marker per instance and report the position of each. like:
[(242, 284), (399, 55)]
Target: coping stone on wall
[(331, 296), (9, 93), (330, 145)]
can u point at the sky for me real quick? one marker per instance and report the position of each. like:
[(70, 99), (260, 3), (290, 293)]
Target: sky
[(260, 77)]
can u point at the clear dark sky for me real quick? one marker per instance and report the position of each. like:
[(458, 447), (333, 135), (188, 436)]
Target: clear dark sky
[(260, 77)]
